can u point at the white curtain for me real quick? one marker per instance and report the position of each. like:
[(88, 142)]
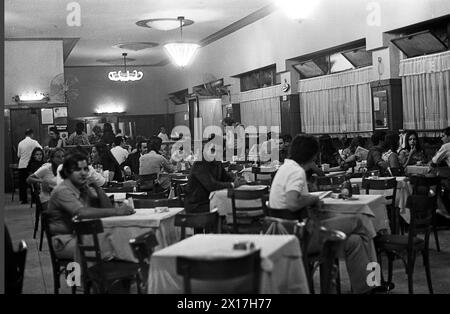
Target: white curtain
[(210, 112), (337, 103), (261, 112), (426, 91)]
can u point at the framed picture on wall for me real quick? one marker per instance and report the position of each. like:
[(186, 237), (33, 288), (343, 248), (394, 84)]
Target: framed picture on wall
[(380, 109), (46, 116), (60, 115)]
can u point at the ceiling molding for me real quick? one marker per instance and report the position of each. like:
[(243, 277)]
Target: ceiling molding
[(249, 19)]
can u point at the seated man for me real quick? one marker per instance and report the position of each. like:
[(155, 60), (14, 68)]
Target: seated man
[(375, 155), (76, 196), (442, 157), (119, 150), (154, 162), (206, 176), (290, 191), (131, 164)]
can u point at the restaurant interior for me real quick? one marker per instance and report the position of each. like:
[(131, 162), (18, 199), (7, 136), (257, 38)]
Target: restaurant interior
[(227, 147)]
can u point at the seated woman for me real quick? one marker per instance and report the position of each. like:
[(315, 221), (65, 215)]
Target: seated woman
[(349, 154), (76, 196), (207, 175), (105, 158), (329, 154), (413, 153), (390, 157), (47, 175), (36, 160), (290, 191), (153, 162)]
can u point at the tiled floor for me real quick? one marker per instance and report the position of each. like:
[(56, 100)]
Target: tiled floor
[(39, 277)]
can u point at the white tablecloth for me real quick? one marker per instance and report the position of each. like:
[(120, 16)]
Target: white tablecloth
[(373, 206), (118, 230), (404, 190), (282, 266)]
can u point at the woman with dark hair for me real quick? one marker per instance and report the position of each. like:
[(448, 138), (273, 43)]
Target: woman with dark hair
[(413, 153), (36, 160), (55, 140), (108, 134), (47, 174), (328, 153), (390, 156), (108, 162), (289, 191)]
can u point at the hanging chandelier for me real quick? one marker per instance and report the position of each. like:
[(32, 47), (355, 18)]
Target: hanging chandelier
[(125, 76), (181, 52)]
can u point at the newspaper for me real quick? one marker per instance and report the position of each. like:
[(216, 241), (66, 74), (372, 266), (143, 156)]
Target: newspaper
[(361, 153)]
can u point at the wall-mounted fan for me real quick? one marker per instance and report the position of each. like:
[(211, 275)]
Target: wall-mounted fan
[(64, 88)]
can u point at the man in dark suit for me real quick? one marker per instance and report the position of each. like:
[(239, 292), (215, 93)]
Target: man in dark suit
[(131, 164), (206, 176)]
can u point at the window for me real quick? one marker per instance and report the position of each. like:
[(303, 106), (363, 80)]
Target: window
[(333, 61), (260, 78), (211, 89), (179, 98), (419, 44)]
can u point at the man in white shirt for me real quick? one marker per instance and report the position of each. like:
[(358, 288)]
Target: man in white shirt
[(24, 150), (163, 135), (289, 190), (119, 152), (443, 154)]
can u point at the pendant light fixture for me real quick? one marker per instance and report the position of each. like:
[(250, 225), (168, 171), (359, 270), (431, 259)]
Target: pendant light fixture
[(181, 52), (126, 75)]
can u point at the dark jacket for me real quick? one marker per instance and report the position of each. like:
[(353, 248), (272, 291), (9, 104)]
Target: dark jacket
[(205, 178), (132, 161), (374, 158)]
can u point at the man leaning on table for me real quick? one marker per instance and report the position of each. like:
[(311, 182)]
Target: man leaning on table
[(442, 158), (289, 190), (77, 196)]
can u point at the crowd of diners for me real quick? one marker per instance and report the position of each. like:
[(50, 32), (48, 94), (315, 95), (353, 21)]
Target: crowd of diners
[(71, 183)]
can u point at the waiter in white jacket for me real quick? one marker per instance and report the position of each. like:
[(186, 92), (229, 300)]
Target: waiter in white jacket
[(24, 150)]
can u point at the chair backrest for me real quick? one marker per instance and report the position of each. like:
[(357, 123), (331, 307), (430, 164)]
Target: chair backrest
[(19, 259), (152, 203), (221, 269), (45, 226), (208, 222), (327, 183), (89, 252), (258, 171), (422, 185), (421, 211), (149, 195), (236, 167), (116, 189), (143, 247), (381, 185), (246, 195), (147, 182)]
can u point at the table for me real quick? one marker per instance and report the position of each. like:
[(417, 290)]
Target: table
[(416, 170), (373, 206), (118, 230), (404, 190), (220, 200), (282, 266)]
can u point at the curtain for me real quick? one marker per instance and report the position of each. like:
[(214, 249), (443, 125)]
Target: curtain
[(337, 103), (210, 112), (426, 91), (261, 112)]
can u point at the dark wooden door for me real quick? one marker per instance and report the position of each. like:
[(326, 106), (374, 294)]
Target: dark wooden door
[(20, 121), (193, 113), (290, 115)]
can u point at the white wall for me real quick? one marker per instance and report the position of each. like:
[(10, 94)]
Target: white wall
[(30, 66)]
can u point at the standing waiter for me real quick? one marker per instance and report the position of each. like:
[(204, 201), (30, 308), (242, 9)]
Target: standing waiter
[(24, 150)]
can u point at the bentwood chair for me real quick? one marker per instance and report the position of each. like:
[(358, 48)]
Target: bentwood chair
[(152, 203), (247, 267), (383, 186), (97, 273), (205, 222), (327, 183), (406, 247), (38, 213), (264, 176), (59, 265), (143, 247), (14, 265), (149, 195), (428, 186), (247, 219)]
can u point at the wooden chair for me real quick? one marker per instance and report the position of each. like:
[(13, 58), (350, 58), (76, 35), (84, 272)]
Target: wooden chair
[(102, 274), (328, 183), (385, 185), (37, 213), (59, 265), (176, 182), (406, 247), (428, 186), (152, 203), (206, 222), (117, 189), (236, 167), (143, 247), (18, 259), (147, 182), (247, 224), (257, 171), (221, 269), (149, 195)]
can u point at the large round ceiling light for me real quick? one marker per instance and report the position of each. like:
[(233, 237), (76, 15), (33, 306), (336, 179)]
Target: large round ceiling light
[(164, 24)]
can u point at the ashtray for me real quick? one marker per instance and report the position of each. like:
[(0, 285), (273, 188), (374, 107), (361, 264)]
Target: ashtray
[(244, 245), (161, 209)]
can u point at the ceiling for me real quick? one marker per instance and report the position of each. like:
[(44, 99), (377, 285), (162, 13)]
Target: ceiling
[(107, 23)]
